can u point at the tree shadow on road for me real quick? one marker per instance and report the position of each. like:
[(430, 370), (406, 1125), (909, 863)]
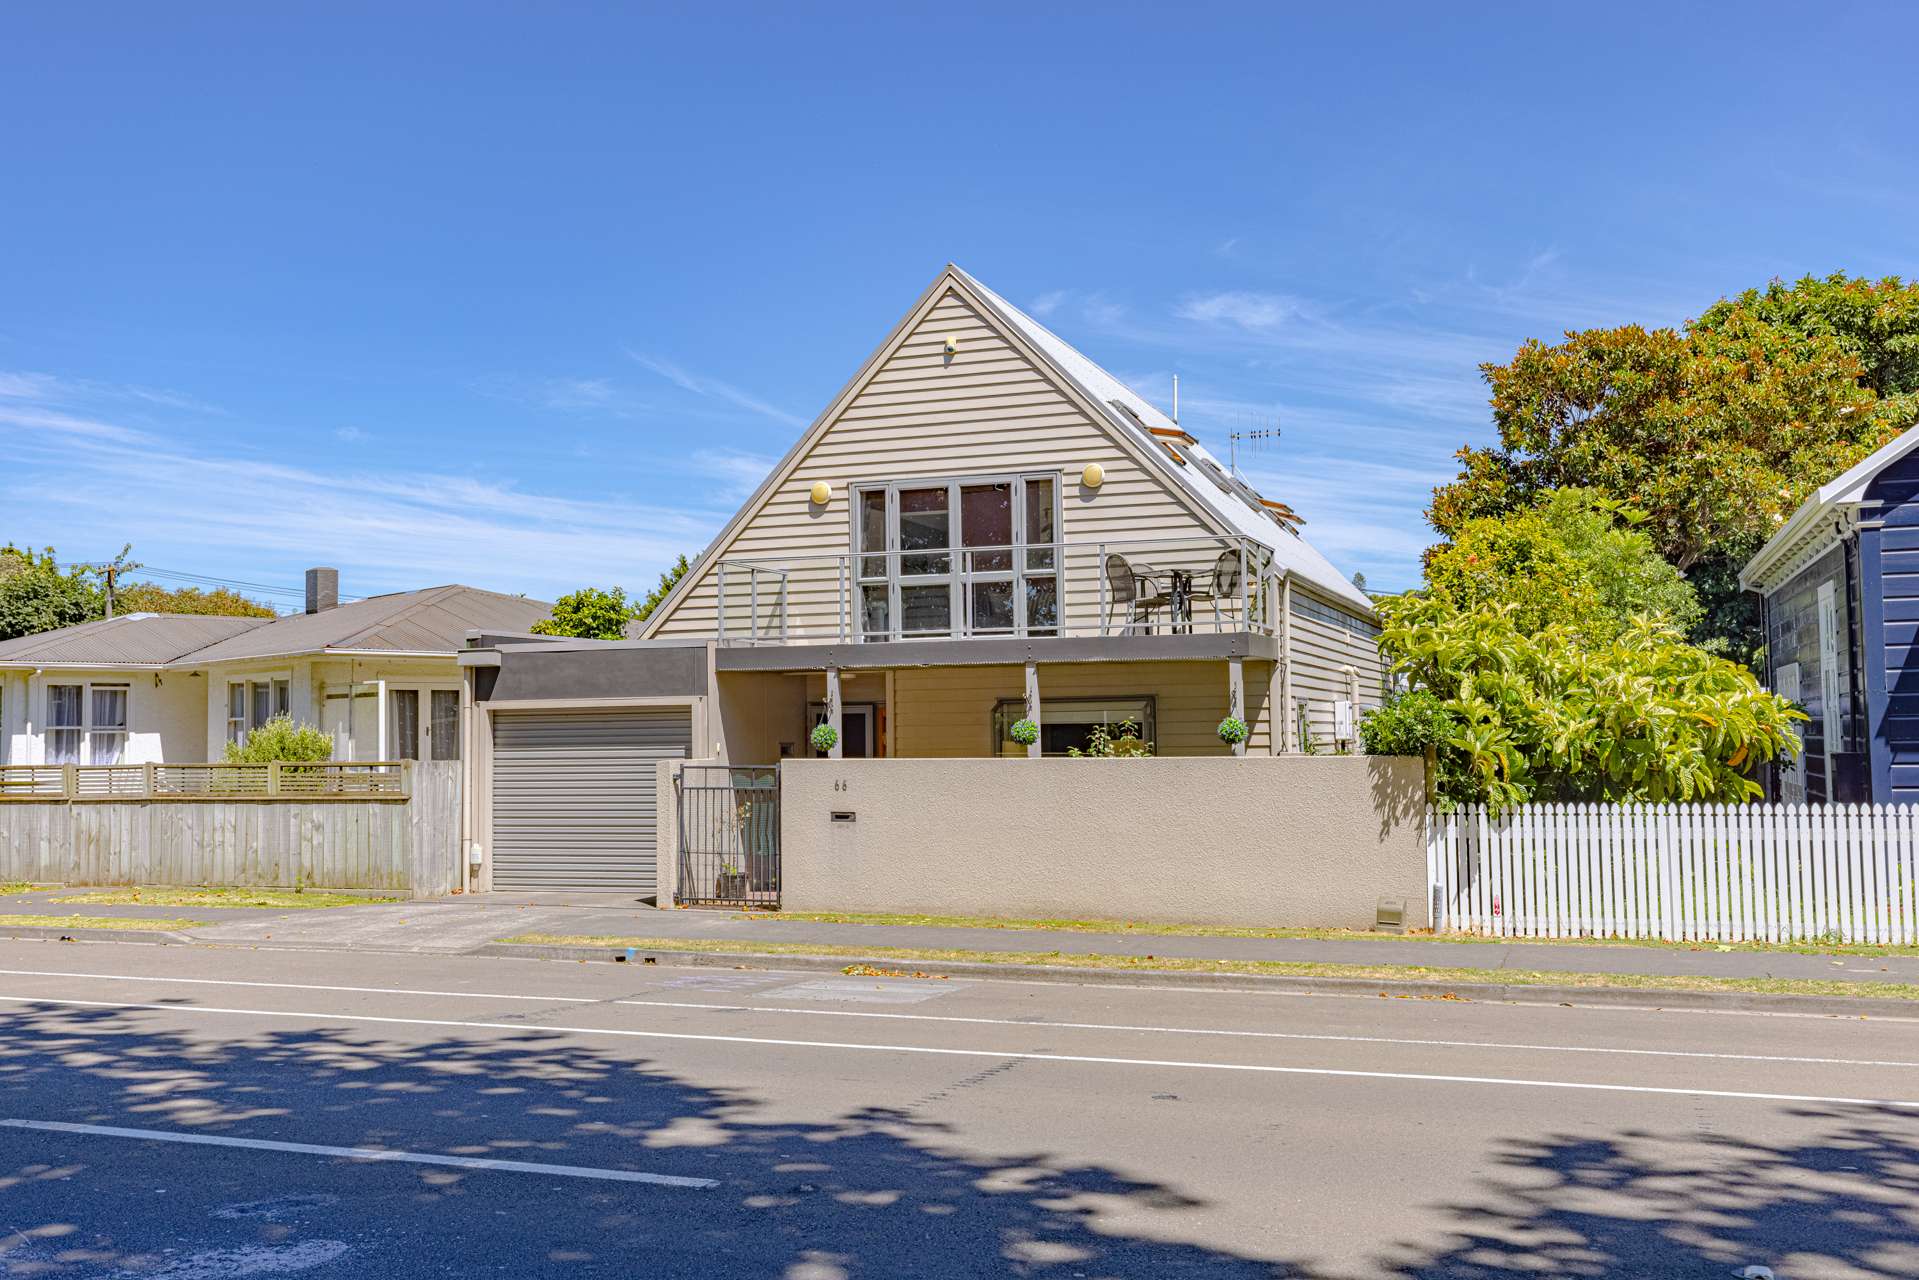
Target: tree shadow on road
[(876, 1192)]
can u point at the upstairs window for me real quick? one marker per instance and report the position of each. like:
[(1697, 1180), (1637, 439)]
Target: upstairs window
[(944, 558)]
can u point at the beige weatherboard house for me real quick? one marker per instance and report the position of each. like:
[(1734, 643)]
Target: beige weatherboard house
[(983, 527), (378, 674)]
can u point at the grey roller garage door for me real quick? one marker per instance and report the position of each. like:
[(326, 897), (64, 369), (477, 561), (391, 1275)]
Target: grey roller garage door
[(573, 796)]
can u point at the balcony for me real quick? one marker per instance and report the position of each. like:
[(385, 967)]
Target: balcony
[(1219, 585)]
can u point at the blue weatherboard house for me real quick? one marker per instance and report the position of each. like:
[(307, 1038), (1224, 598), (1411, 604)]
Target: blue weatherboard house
[(1839, 587)]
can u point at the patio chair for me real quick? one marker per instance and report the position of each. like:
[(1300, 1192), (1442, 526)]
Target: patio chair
[(1124, 587), (1225, 584)]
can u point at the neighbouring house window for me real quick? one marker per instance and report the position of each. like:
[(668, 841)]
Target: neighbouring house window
[(86, 724), (1067, 723), (445, 728), (107, 725), (66, 723), (252, 703), (403, 731), (958, 557)]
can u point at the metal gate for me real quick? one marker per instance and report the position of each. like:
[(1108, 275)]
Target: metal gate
[(729, 836)]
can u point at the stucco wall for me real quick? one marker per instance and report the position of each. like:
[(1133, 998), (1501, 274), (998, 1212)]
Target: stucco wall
[(1257, 840)]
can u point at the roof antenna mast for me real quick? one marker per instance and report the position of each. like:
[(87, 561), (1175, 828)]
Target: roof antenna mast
[(1255, 438), (1176, 399)]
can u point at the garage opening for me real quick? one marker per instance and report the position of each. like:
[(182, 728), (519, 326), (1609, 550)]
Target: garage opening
[(574, 797)]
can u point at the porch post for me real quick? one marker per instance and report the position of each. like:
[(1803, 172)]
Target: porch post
[(833, 712), (1032, 706), (1284, 717), (1236, 695)]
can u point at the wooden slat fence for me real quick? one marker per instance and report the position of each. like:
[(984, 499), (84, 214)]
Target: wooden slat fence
[(1682, 872), (405, 842), (148, 781)]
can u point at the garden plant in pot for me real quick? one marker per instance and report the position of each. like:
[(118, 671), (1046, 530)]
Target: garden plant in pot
[(731, 882)]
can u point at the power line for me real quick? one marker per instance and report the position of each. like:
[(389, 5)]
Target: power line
[(205, 580)]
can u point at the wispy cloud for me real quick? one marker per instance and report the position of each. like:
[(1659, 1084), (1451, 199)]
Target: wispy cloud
[(713, 388), (351, 435), (388, 530), (1047, 303), (735, 472), (1256, 311)]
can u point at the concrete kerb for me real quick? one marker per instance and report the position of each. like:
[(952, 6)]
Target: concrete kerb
[(1482, 992)]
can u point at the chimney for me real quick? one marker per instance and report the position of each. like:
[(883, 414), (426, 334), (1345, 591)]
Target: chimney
[(323, 589)]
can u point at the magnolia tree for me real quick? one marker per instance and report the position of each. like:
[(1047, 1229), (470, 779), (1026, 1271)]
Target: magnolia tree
[(1512, 715)]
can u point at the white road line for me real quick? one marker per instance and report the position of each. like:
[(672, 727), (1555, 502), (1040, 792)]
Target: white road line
[(999, 1055), (987, 1022), (370, 1154)]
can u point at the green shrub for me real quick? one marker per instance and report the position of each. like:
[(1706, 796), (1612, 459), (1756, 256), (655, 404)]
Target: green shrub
[(1407, 725), (281, 739)]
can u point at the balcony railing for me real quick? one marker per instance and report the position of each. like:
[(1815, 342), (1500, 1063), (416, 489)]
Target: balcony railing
[(385, 779), (1141, 586)]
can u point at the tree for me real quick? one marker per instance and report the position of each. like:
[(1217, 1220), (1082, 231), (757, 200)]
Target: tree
[(37, 595), (668, 580), (1718, 432), (148, 597), (593, 613), (588, 614), (1575, 559), (1516, 715)]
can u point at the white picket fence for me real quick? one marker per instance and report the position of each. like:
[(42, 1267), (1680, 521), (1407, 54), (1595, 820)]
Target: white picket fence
[(1682, 872)]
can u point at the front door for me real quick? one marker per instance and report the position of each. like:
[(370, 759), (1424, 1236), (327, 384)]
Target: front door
[(857, 723)]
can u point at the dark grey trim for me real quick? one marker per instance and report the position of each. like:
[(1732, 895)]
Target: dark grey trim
[(998, 651), (610, 671)]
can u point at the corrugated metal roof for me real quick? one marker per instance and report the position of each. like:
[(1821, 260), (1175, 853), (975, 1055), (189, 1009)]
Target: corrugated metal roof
[(143, 638), (1212, 485), (433, 620)]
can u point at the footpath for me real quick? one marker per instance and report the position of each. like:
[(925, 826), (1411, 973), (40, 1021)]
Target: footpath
[(594, 928)]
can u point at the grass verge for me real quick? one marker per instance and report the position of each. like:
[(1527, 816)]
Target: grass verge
[(1438, 976), (1137, 929), (125, 924), (279, 899), (17, 886)]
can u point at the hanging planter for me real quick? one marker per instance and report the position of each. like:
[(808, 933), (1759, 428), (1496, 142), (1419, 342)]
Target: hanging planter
[(824, 737), (1233, 731), (1024, 732)]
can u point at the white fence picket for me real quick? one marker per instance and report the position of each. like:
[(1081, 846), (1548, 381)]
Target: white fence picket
[(1691, 872)]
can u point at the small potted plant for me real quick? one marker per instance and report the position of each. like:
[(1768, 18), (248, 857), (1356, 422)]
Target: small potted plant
[(1233, 731), (730, 884), (1025, 732), (824, 736)]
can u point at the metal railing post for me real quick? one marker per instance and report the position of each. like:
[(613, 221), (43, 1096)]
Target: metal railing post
[(784, 614), (1245, 589), (719, 606), (753, 604), (1099, 567)]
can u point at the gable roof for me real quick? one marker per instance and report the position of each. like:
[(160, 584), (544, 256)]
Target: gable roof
[(1129, 418), (133, 639), (1816, 524), (434, 620), (1231, 501)]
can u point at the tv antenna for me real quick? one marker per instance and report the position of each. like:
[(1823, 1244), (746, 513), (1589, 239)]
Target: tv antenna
[(1255, 437)]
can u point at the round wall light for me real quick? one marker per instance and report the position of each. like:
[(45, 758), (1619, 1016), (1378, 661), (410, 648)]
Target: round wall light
[(821, 493), (1093, 475)]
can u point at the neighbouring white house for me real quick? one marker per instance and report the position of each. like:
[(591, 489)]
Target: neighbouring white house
[(378, 674)]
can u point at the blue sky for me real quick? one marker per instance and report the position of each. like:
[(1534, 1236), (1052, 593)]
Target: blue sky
[(529, 296)]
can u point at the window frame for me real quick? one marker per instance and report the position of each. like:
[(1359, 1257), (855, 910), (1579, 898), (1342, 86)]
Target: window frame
[(1007, 710), (277, 690), (87, 729), (1025, 566)]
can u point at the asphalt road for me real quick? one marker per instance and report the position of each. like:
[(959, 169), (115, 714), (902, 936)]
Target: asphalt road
[(192, 1114)]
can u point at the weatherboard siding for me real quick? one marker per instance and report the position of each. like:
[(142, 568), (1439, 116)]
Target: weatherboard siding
[(987, 411), (1889, 625), (948, 711)]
